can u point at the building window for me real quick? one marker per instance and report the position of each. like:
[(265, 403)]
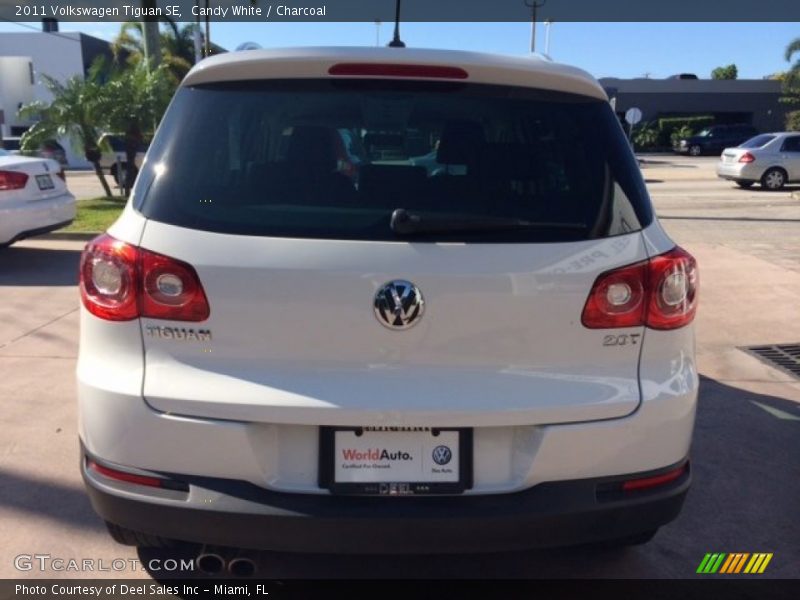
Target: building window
[(30, 72)]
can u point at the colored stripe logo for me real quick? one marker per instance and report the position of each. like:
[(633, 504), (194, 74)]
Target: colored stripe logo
[(734, 563)]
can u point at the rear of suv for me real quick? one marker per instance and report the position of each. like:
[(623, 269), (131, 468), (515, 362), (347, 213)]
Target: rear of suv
[(494, 353)]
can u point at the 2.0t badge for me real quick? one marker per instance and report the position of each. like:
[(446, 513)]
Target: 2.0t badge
[(399, 304)]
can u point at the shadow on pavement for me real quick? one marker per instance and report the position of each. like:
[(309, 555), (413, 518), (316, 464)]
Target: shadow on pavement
[(744, 498), (22, 266), (63, 504)]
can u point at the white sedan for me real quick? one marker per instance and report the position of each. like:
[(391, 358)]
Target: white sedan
[(771, 159), (33, 197)]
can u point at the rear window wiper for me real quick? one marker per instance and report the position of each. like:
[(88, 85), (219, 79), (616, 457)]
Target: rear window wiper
[(404, 222)]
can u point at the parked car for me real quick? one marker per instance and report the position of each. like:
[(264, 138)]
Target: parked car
[(713, 140), (114, 157), (499, 357), (49, 149), (771, 159), (33, 197)]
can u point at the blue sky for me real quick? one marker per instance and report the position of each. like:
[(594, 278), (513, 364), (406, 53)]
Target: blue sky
[(603, 49)]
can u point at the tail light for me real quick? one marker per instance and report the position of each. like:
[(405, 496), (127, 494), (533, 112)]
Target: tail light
[(397, 70), (62, 175), (12, 180), (121, 282), (660, 293), (747, 158)]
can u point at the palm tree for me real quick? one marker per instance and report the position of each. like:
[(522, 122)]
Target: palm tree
[(132, 103), (177, 46), (791, 79), (74, 112)]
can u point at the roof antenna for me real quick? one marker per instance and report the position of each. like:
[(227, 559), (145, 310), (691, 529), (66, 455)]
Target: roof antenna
[(396, 41)]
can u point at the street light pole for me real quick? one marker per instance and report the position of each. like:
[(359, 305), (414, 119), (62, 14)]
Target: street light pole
[(534, 5), (547, 25)]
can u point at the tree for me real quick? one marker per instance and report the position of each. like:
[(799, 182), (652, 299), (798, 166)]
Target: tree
[(132, 104), (726, 72), (177, 46), (74, 112), (791, 78)]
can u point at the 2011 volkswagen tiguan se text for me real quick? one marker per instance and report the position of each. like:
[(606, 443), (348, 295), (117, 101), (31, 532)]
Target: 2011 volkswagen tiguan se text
[(407, 301)]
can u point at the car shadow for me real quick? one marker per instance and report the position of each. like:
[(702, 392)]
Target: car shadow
[(744, 494), (25, 266), (58, 502)]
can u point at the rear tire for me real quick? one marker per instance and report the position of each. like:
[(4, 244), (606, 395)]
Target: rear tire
[(773, 179), (745, 184), (128, 537)]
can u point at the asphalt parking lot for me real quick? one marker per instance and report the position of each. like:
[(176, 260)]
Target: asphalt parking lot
[(746, 451)]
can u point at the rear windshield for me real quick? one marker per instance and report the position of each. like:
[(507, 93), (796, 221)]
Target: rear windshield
[(334, 159), (758, 141)]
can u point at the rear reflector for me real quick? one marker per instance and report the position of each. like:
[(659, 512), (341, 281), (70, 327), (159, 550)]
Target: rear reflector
[(136, 479), (646, 483), (397, 70), (12, 180), (123, 476)]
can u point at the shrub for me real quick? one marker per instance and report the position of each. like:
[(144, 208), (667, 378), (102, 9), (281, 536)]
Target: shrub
[(645, 136), (668, 126), (793, 121)]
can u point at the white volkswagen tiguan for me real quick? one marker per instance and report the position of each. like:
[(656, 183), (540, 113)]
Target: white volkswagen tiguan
[(493, 352)]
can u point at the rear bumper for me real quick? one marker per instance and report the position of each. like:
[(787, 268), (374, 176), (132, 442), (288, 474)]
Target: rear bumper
[(18, 222), (239, 514), (738, 171)]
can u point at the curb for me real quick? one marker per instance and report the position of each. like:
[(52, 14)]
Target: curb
[(78, 236)]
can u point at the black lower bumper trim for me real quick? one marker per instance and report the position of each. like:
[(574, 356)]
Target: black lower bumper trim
[(240, 514)]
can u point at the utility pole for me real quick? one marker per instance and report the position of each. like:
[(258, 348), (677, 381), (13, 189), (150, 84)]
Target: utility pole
[(197, 35), (534, 5), (152, 41)]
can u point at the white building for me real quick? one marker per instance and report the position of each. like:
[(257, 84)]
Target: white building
[(25, 57)]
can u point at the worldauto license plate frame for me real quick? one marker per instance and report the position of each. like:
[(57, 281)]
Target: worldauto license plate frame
[(327, 466)]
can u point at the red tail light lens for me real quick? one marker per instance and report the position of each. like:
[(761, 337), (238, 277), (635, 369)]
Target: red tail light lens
[(120, 282), (12, 180), (660, 293), (746, 158), (62, 175), (397, 70)]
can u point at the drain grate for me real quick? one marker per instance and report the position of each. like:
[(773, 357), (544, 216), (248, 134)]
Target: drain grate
[(785, 357)]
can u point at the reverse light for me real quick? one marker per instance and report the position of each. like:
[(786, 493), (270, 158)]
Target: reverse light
[(121, 282), (397, 70), (12, 180), (660, 293), (747, 158)]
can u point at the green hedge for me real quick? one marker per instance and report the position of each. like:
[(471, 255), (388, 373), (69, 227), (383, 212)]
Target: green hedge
[(671, 129), (793, 121), (663, 133)]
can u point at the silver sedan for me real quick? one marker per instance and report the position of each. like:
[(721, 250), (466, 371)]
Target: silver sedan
[(771, 159)]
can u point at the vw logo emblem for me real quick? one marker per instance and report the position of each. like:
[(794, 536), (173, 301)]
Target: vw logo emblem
[(442, 455), (399, 304)]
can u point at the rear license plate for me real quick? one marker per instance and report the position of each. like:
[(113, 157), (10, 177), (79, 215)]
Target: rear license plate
[(45, 182), (395, 461)]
